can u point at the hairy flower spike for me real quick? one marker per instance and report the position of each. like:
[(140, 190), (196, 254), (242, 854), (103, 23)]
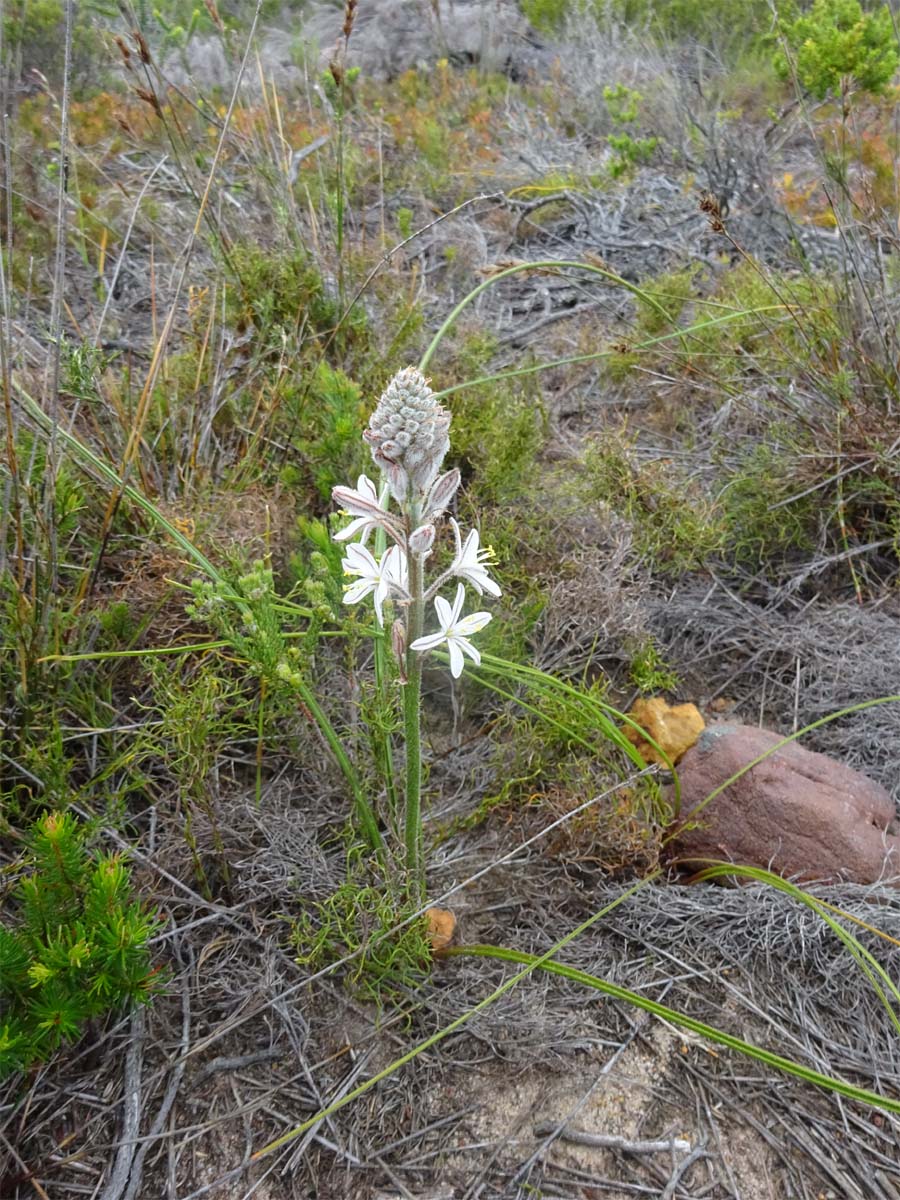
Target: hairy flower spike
[(409, 435)]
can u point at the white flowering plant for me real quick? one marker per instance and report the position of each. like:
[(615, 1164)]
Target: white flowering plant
[(408, 435)]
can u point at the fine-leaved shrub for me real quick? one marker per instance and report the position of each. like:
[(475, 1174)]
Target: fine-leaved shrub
[(836, 48), (73, 944)]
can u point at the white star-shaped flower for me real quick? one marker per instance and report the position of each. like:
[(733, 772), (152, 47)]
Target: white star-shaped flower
[(384, 578), (470, 560), (362, 504), (455, 631)]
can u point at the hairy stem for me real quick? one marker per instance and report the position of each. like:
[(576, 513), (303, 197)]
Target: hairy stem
[(412, 696), (382, 678)]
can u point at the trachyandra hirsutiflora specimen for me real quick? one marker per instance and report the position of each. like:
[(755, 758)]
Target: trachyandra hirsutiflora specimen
[(409, 436)]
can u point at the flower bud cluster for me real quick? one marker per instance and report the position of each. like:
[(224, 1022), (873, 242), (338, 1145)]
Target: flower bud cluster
[(409, 435)]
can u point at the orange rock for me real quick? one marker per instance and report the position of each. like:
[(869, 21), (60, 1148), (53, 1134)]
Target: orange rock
[(675, 728), (441, 928)]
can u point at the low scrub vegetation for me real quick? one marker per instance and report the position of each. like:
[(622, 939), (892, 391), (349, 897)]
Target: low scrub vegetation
[(356, 433)]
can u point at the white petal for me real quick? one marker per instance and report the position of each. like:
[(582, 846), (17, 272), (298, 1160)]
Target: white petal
[(392, 563), (470, 548), (355, 525), (458, 603), (360, 561), (456, 658), (444, 612), (472, 575), (480, 580), (471, 624), (458, 539), (366, 488), (381, 593), (356, 504), (490, 586), (469, 649), (428, 642), (356, 591)]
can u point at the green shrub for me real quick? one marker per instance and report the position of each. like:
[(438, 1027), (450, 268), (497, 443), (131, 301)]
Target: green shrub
[(628, 152), (34, 34), (837, 47), (328, 414), (763, 524), (281, 290), (738, 22), (73, 948), (676, 527)]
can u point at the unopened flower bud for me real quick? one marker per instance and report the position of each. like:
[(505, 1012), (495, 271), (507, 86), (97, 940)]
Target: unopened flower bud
[(398, 644), (421, 540), (441, 495)]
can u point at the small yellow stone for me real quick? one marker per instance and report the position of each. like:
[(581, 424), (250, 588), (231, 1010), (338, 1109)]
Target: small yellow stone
[(441, 928), (675, 728)]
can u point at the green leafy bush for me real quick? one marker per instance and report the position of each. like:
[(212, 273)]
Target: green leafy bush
[(623, 105), (836, 47), (73, 947)]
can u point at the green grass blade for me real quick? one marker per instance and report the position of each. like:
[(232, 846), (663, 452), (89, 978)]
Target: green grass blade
[(787, 1065), (881, 982), (549, 264), (575, 359)]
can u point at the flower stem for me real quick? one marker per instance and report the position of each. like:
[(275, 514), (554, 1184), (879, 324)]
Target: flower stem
[(382, 680), (412, 695)]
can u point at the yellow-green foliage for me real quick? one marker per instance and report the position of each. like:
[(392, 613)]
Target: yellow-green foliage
[(73, 943), (676, 527), (657, 313), (649, 671), (763, 523), (733, 22), (360, 919), (782, 320), (837, 47)]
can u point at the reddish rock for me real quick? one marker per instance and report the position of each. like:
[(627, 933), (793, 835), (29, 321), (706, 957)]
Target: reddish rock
[(798, 813)]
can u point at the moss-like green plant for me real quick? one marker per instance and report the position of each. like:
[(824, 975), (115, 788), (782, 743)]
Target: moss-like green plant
[(649, 671), (763, 524), (74, 945)]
